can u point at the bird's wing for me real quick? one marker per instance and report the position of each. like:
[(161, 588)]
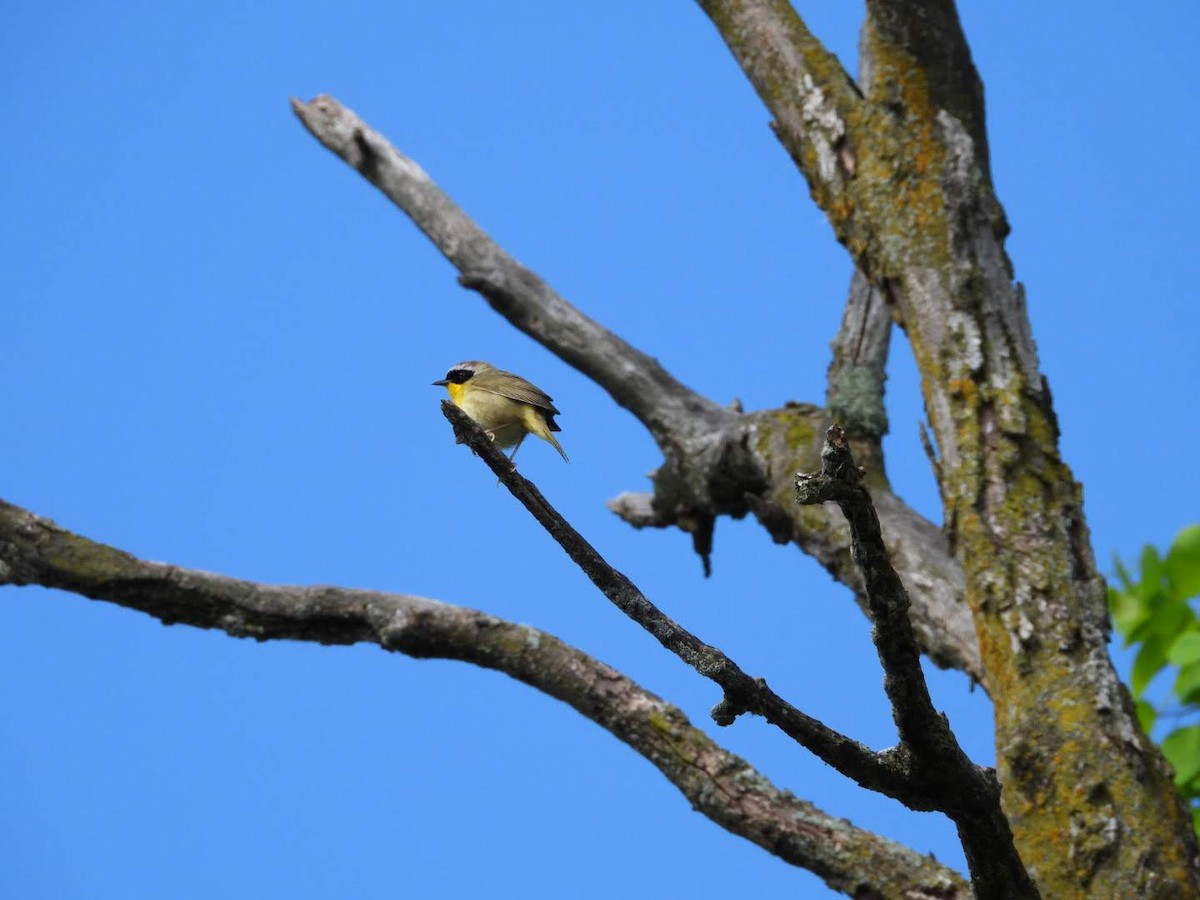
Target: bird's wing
[(515, 388)]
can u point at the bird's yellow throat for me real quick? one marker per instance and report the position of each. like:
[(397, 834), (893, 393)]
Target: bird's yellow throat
[(456, 392)]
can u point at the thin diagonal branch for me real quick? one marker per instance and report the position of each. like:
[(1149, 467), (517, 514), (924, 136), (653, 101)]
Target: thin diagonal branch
[(718, 462), (970, 794), (882, 772), (841, 481), (854, 398), (722, 786), (819, 113), (810, 94), (633, 379)]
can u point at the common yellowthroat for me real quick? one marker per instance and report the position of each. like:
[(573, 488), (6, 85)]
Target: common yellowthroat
[(505, 405)]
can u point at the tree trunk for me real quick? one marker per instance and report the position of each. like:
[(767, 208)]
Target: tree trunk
[(900, 166)]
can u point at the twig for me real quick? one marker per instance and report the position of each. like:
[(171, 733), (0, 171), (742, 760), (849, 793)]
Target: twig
[(880, 772), (968, 793)]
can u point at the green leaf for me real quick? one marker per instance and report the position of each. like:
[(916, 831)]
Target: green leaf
[(1152, 574), (1123, 575), (1129, 613), (1164, 621), (1182, 748), (1185, 649), (1150, 660), (1182, 565), (1146, 714), (1187, 684)]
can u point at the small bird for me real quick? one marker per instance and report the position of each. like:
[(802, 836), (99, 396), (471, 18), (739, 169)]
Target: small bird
[(505, 405)]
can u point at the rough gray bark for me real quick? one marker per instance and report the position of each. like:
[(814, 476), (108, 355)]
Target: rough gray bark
[(914, 778), (854, 396), (716, 461), (899, 165), (718, 784)]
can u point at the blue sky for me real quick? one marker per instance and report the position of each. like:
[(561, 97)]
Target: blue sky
[(218, 348)]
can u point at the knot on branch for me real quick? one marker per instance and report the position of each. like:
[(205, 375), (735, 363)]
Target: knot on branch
[(839, 476), (726, 712), (489, 285), (733, 704)]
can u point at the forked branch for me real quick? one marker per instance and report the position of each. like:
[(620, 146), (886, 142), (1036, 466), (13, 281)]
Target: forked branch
[(742, 693), (722, 786), (717, 461), (969, 794), (927, 771)]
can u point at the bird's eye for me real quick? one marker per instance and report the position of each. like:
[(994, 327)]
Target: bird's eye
[(458, 376)]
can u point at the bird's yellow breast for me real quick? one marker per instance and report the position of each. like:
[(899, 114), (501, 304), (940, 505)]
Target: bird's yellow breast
[(505, 419), (500, 416)]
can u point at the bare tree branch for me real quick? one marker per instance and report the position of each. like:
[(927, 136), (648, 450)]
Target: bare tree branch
[(720, 785), (927, 768), (867, 160), (718, 462), (971, 794), (742, 693), (854, 397), (929, 32), (840, 481), (912, 201), (813, 99), (636, 381), (900, 166)]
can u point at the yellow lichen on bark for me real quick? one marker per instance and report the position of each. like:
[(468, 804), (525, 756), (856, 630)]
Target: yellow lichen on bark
[(1087, 797)]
